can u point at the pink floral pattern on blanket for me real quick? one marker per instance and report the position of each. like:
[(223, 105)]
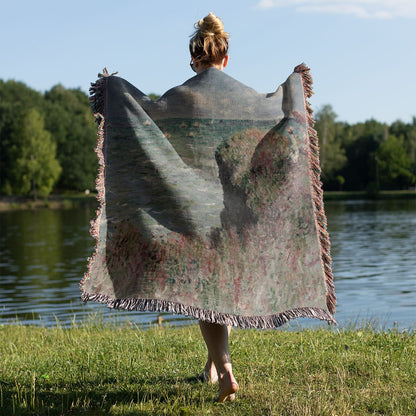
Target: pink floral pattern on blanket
[(174, 235)]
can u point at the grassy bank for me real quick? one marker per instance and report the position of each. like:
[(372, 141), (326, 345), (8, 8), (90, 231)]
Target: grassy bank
[(99, 369)]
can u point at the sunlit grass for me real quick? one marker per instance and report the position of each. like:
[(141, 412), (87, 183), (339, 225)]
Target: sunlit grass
[(98, 368)]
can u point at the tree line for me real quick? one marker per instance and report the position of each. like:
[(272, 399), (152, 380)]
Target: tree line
[(47, 140), (368, 156), (47, 143)]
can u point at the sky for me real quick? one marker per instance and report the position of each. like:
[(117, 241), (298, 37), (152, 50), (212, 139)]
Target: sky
[(361, 53)]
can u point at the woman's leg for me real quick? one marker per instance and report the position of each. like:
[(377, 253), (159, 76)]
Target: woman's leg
[(216, 339), (210, 372)]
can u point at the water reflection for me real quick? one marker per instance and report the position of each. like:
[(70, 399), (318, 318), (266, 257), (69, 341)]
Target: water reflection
[(42, 252), (43, 257), (375, 250)]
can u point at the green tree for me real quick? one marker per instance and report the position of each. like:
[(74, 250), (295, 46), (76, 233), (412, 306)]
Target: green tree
[(408, 132), (15, 99), (394, 164), (361, 142), (34, 169), (71, 123), (153, 96), (332, 154), (7, 121), (15, 92)]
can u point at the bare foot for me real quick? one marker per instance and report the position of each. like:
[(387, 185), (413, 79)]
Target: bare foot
[(209, 374), (228, 388)]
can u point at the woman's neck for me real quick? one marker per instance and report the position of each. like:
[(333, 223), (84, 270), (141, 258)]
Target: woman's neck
[(202, 68)]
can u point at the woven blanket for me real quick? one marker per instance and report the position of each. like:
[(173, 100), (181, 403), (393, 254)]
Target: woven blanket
[(210, 202)]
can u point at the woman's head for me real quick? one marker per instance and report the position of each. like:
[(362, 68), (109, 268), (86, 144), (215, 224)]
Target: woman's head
[(209, 42)]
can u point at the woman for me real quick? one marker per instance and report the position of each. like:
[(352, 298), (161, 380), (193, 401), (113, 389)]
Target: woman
[(211, 203), (209, 49)]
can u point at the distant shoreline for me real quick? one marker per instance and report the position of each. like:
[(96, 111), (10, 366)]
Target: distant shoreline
[(340, 195), (67, 201), (64, 201)]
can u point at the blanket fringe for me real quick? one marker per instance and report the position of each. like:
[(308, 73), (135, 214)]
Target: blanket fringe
[(245, 322), (317, 193), (97, 91)]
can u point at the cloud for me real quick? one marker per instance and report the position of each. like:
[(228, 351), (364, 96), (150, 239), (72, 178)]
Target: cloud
[(365, 9)]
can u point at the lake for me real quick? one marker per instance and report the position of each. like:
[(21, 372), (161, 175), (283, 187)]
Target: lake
[(43, 255)]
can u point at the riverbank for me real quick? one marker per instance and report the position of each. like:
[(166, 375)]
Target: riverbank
[(66, 201), (382, 195), (103, 369)]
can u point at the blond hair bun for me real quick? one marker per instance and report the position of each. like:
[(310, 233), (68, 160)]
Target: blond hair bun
[(209, 42), (211, 25)]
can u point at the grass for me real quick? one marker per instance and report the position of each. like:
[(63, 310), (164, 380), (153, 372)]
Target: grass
[(108, 369)]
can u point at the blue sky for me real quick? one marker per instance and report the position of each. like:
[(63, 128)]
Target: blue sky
[(361, 53)]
